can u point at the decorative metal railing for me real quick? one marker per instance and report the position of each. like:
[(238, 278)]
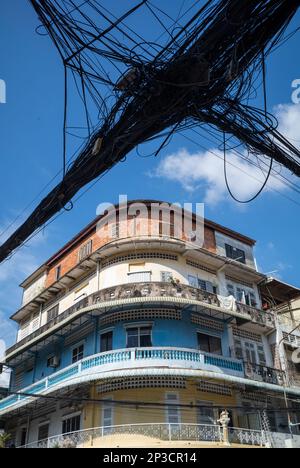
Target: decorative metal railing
[(128, 359), (159, 431), (152, 290), (264, 373)]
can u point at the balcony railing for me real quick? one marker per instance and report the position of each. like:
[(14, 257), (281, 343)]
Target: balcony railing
[(135, 433), (119, 360), (152, 290), (264, 374)]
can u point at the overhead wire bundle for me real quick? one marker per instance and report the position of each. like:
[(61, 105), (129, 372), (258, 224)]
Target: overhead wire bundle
[(203, 75)]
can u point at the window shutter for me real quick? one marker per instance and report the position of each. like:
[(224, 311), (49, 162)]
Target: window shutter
[(261, 355), (238, 349)]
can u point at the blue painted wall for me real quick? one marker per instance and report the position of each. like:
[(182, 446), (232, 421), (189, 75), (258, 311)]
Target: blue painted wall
[(177, 333)]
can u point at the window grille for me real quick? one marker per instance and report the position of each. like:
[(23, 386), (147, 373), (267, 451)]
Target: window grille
[(140, 314), (206, 323), (246, 334), (200, 267), (142, 382), (207, 387), (139, 256)]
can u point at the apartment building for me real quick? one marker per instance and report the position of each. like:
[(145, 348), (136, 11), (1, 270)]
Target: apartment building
[(145, 334)]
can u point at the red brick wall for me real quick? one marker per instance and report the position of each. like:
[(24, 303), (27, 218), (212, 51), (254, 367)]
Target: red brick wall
[(102, 237)]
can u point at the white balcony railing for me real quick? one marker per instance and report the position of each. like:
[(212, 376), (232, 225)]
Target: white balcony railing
[(119, 360), (164, 432)]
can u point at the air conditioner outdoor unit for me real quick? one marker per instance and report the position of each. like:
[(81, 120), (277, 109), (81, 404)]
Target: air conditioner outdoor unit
[(54, 362)]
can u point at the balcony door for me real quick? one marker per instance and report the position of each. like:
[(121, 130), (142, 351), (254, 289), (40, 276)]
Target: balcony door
[(250, 351), (209, 344), (106, 342), (43, 432)]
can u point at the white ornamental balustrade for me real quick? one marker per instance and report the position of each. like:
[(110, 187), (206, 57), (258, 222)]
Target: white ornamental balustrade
[(198, 433)]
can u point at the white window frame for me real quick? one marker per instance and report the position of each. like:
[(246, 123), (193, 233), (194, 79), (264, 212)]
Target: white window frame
[(104, 407), (131, 274), (139, 326), (71, 416), (249, 291), (168, 404), (81, 343)]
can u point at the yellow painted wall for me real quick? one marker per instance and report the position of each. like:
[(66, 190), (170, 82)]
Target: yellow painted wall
[(92, 415)]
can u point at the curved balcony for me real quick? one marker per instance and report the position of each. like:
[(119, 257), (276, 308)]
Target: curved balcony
[(127, 362), (153, 292), (159, 434)]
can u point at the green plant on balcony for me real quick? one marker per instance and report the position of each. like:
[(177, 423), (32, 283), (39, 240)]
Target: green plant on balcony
[(4, 439)]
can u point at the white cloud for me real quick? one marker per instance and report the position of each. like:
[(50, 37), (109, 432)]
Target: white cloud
[(288, 116), (206, 170)]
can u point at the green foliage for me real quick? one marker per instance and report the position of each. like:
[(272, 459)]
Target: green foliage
[(4, 438)]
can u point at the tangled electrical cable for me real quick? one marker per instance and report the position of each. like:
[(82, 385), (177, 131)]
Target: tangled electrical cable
[(203, 75)]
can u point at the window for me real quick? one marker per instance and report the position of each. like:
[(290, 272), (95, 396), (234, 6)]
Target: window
[(193, 281), (139, 337), (250, 352), (85, 250), (166, 276), (173, 412), (206, 414), (23, 439), (107, 413), (52, 313), (106, 342), (43, 432), (115, 231), (140, 277), (243, 295), (58, 273), (235, 253), (77, 353), (71, 424), (210, 344), (196, 282)]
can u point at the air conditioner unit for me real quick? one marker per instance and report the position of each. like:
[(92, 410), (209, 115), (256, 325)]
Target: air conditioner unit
[(54, 362)]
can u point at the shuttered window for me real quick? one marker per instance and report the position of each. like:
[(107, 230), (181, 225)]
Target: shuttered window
[(173, 412), (106, 342), (85, 250), (43, 432), (52, 313)]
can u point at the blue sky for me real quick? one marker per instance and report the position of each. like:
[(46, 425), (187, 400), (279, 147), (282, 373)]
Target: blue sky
[(31, 154)]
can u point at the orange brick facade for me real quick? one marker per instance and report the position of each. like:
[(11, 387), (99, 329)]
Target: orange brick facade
[(68, 257)]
